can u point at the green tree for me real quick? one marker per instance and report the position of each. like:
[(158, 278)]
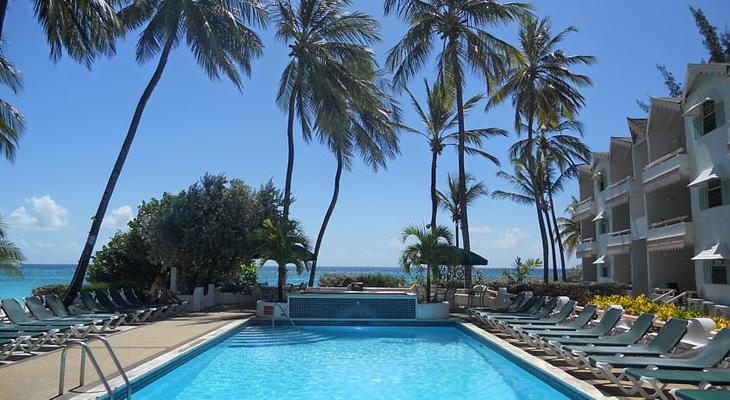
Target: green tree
[(11, 120), (570, 228), (432, 247), (461, 27), (368, 129), (521, 270), (222, 43), (328, 49), (437, 118), (449, 200), (10, 255), (285, 243), (541, 84), (718, 46)]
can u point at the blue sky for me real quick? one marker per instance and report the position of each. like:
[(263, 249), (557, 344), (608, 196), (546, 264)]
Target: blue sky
[(77, 118)]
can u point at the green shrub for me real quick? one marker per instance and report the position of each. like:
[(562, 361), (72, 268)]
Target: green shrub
[(59, 289), (373, 280), (580, 292)]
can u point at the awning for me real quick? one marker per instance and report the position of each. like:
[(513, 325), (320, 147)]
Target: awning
[(599, 216), (717, 251), (600, 260), (706, 175)]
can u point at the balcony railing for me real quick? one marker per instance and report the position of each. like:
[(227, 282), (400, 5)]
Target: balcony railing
[(619, 242), (618, 192), (586, 248), (665, 170), (671, 234), (585, 208)]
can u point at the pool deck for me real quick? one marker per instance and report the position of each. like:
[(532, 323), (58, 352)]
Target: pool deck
[(36, 377)]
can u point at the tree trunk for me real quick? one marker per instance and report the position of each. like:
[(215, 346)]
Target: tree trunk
[(3, 11), (456, 230), (78, 278), (552, 244), (563, 273), (327, 216), (428, 283), (538, 206), (464, 215), (434, 196), (290, 156), (280, 281)]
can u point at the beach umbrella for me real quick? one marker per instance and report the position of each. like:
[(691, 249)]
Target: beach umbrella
[(470, 258)]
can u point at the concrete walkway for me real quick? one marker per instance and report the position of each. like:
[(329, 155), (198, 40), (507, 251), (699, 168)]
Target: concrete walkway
[(36, 378)]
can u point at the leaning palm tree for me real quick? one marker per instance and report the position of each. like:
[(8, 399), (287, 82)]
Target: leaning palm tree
[(451, 202), (465, 43), (10, 255), (285, 243), (432, 248), (368, 129), (11, 120), (570, 228), (438, 117), (221, 41), (328, 48), (541, 81)]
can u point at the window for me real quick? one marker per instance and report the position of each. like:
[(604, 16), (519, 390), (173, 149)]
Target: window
[(716, 272), (709, 122), (605, 271), (714, 193), (602, 226), (601, 183)]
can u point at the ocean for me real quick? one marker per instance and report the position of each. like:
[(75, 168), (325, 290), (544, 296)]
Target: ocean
[(35, 275)]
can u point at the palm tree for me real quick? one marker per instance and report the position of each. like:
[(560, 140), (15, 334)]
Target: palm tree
[(541, 81), (460, 25), (432, 248), (570, 228), (561, 151), (218, 36), (11, 120), (329, 46), (84, 28), (450, 201), (285, 243), (437, 118), (371, 133), (10, 255)]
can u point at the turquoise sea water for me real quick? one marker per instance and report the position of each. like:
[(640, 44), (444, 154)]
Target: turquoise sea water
[(35, 275), (346, 362)]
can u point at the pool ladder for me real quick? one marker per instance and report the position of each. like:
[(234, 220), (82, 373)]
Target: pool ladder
[(283, 312), (87, 351)]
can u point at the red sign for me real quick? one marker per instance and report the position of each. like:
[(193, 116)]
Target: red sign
[(268, 310)]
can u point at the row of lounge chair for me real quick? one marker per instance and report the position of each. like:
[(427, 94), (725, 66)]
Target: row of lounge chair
[(50, 322), (635, 360)]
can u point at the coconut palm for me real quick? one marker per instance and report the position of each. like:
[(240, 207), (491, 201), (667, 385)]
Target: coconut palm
[(541, 81), (370, 133), (461, 28), (438, 117), (432, 247), (83, 28), (217, 34), (570, 228), (10, 255), (450, 201), (11, 120), (329, 49), (562, 151), (285, 243)]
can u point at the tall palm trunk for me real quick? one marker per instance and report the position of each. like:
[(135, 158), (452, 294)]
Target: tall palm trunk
[(290, 156), (327, 216), (78, 278), (561, 249), (538, 206), (281, 281), (462, 169), (434, 196), (3, 10), (552, 244), (456, 231)]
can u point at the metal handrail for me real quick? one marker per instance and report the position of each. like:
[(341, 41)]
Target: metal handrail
[(620, 233), (585, 201), (283, 312), (86, 351), (618, 183), (668, 222), (664, 158)]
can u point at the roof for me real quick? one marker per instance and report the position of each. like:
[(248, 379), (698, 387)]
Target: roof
[(694, 71), (637, 127), (717, 251)]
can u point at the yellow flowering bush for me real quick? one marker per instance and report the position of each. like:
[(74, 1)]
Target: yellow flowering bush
[(642, 304)]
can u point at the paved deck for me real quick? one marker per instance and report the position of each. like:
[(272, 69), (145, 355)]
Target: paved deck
[(36, 377)]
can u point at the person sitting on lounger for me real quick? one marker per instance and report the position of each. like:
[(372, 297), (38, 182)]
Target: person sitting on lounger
[(158, 293)]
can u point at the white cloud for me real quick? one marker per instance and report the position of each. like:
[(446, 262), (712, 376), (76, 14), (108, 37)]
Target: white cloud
[(118, 218), (43, 213), (481, 229), (507, 239), (394, 243)]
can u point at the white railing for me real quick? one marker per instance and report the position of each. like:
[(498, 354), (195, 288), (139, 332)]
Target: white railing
[(585, 201), (671, 221), (620, 233), (619, 182), (664, 158)]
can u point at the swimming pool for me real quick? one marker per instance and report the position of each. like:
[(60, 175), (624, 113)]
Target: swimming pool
[(355, 362)]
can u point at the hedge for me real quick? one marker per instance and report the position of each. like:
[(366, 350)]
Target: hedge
[(580, 292), (373, 280), (60, 289)]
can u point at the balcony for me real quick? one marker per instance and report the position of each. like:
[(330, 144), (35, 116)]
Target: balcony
[(618, 193), (586, 248), (665, 171), (673, 234), (585, 209), (619, 242)]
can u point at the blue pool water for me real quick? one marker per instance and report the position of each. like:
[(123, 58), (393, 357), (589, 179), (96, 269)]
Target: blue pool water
[(338, 362)]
